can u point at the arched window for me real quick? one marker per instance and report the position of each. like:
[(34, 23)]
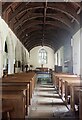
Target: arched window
[(43, 56), (6, 49)]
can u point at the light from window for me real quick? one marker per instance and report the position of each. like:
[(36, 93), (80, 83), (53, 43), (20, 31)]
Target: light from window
[(42, 56)]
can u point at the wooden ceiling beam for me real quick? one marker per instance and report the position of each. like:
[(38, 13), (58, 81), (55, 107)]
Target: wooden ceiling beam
[(27, 31), (78, 4), (39, 39), (47, 36), (60, 17), (61, 7), (40, 43), (25, 8), (29, 49), (48, 33), (44, 21), (65, 8), (35, 24), (6, 5), (45, 11)]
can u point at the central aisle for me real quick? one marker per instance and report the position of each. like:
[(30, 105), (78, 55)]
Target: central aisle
[(46, 103)]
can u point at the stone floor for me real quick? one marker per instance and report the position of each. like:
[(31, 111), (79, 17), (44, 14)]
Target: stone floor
[(47, 104)]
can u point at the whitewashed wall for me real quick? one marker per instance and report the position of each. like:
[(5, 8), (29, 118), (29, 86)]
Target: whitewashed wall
[(7, 35), (60, 59), (76, 53), (34, 57)]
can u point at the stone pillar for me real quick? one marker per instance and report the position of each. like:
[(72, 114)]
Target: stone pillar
[(10, 59), (59, 58), (10, 63), (55, 58)]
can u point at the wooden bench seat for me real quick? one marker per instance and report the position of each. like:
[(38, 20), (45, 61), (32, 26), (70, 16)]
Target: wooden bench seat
[(59, 80), (26, 78), (59, 76), (69, 86), (76, 99), (13, 88), (5, 110), (17, 101), (64, 86), (74, 94), (18, 84)]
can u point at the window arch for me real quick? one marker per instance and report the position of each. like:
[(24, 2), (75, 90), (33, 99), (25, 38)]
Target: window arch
[(6, 49), (42, 56)]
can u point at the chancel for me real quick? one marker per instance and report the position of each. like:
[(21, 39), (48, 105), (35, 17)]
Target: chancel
[(41, 60)]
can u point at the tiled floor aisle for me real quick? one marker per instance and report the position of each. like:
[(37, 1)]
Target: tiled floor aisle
[(46, 103)]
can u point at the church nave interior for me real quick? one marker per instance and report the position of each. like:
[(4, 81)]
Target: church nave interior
[(40, 60)]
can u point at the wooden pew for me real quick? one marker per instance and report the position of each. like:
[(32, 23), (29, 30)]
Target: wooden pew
[(17, 82), (5, 110), (67, 84), (59, 80), (12, 89), (24, 79), (71, 85), (76, 98), (18, 79), (64, 75), (15, 88), (57, 76), (74, 95), (15, 99), (31, 76), (62, 85)]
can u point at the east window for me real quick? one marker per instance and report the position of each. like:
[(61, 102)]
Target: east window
[(42, 56)]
